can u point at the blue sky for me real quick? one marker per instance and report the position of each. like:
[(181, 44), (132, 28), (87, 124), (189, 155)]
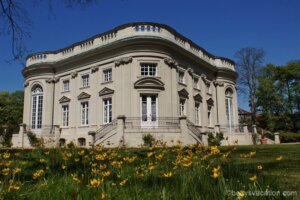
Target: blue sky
[(222, 27)]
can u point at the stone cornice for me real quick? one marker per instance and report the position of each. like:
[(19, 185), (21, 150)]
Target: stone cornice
[(123, 61)]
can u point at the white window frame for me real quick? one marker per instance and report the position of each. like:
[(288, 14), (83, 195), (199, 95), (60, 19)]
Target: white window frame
[(181, 79), (146, 72), (66, 89), (107, 110), (209, 115), (196, 84), (182, 106), (65, 113), (85, 83), (197, 113), (84, 113), (229, 108), (107, 75), (36, 107)]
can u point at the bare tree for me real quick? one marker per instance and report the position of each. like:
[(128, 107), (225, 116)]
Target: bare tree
[(249, 63), (15, 22)]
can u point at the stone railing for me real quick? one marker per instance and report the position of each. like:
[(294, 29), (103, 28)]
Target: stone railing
[(191, 126), (105, 129), (127, 32), (161, 122)]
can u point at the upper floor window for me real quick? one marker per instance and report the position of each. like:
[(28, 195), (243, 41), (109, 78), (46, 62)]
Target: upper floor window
[(85, 80), (37, 107), (84, 113), (181, 77), (208, 88), (209, 115), (66, 86), (196, 83), (148, 69), (107, 75), (197, 113)]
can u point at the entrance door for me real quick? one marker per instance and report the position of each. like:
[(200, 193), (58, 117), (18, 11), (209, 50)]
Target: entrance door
[(148, 111)]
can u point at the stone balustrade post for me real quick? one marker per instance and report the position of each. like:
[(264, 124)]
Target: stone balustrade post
[(92, 133), (254, 130), (217, 128), (245, 128), (21, 134), (120, 129), (277, 139)]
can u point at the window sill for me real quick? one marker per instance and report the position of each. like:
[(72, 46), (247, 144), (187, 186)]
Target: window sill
[(86, 87), (83, 126), (182, 84), (158, 77), (65, 91), (106, 82)]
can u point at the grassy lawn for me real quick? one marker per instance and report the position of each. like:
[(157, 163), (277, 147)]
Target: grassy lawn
[(161, 172), (285, 173)]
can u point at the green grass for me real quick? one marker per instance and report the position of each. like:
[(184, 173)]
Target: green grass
[(191, 169)]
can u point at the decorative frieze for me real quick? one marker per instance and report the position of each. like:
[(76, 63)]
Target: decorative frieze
[(123, 61), (171, 62)]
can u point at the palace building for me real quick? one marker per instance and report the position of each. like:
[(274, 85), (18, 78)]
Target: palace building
[(136, 79)]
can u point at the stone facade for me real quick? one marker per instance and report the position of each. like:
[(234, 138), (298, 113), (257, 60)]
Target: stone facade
[(136, 79)]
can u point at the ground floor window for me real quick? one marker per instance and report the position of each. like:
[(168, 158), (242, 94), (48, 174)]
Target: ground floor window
[(197, 113), (107, 111), (182, 107), (84, 113), (81, 142), (65, 115), (148, 110)]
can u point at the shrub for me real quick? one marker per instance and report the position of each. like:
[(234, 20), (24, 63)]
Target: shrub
[(286, 137), (148, 139), (214, 139), (71, 145)]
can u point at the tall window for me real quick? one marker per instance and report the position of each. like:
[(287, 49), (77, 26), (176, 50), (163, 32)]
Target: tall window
[(66, 85), (209, 115), (107, 75), (182, 107), (37, 107), (181, 77), (84, 113), (65, 115), (229, 110), (196, 81), (148, 69), (107, 111), (208, 88), (85, 80), (197, 113)]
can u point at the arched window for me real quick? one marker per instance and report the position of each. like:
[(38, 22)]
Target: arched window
[(37, 107), (229, 108), (62, 142)]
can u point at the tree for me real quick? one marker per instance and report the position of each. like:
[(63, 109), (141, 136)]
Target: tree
[(14, 21), (248, 64), (11, 109)]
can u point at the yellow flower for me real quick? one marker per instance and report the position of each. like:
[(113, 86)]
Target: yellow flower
[(259, 167), (253, 178), (149, 154), (216, 172), (105, 174), (96, 182), (5, 171), (214, 150), (81, 152), (279, 158), (42, 160), (167, 174), (15, 186), (38, 173), (113, 184), (103, 196), (1, 182), (6, 155), (104, 166), (17, 170), (122, 183), (75, 179), (240, 194), (63, 167), (76, 159)]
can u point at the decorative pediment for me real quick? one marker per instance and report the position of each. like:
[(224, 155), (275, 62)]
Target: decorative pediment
[(64, 99), (210, 102), (183, 93), (149, 83), (198, 97), (83, 95), (106, 91)]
